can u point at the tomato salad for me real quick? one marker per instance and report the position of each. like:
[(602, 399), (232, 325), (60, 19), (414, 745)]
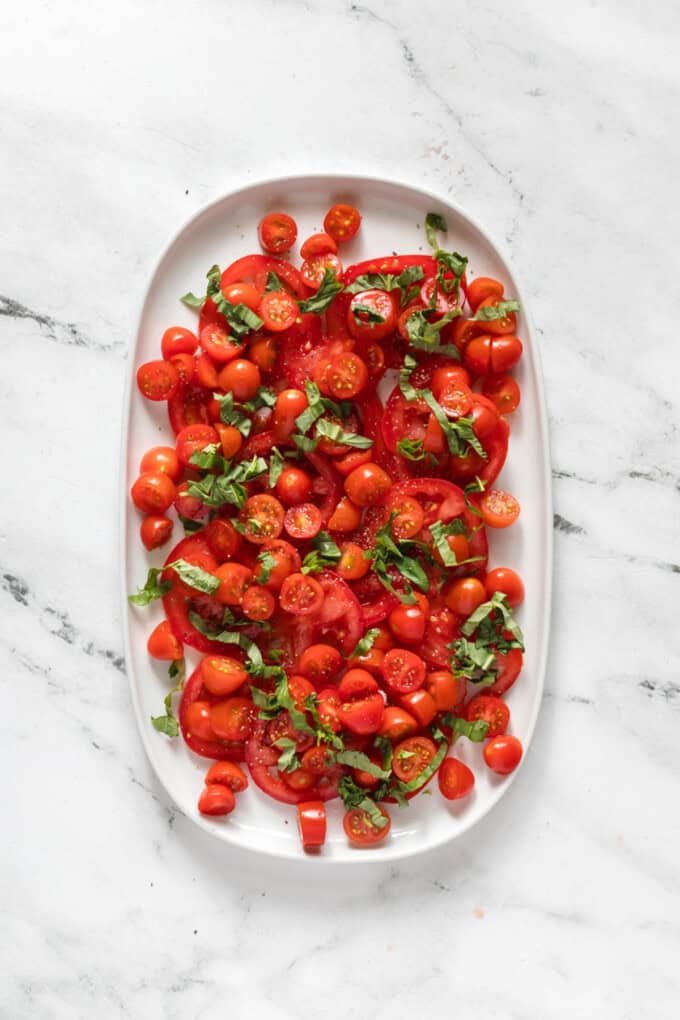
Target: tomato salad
[(333, 572)]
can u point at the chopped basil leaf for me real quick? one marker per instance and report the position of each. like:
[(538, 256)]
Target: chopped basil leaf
[(475, 730), (331, 431), (267, 563), (451, 260), (424, 335), (216, 490), (326, 554), (324, 733), (313, 411), (271, 705), (165, 724), (427, 772), (194, 576), (411, 449), (153, 589), (364, 313), (387, 554), (208, 457), (241, 319), (288, 759), (191, 301), (304, 443), (273, 282), (213, 276), (232, 414), (406, 282), (354, 796), (264, 397), (440, 533), (458, 432), (168, 723), (490, 313), (275, 466), (328, 288), (405, 384), (364, 645), (359, 760), (497, 604), (433, 223), (189, 525)]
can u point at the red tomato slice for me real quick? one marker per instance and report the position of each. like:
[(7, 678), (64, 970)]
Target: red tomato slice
[(393, 264), (254, 269)]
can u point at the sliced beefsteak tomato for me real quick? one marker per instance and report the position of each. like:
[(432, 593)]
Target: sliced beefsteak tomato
[(221, 750)]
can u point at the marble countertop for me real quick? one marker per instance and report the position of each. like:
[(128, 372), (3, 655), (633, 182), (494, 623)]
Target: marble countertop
[(551, 124)]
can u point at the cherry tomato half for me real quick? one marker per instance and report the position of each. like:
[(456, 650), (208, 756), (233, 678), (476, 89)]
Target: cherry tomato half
[(362, 830), (372, 315), (503, 391), (411, 756), (342, 222), (490, 710), (303, 522), (277, 233), (499, 508), (301, 595), (278, 310), (455, 779), (227, 773)]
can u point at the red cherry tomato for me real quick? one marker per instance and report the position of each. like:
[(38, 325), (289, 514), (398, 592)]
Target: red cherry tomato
[(258, 603), (367, 485), (318, 244), (313, 270), (178, 340), (155, 531), (235, 579), (157, 380), (301, 595), (303, 522), (277, 233), (505, 580), (312, 824), (397, 724), (362, 830), (465, 595), (503, 391), (242, 294), (240, 377), (293, 486), (289, 405), (455, 779), (222, 675), (263, 352), (481, 289), (282, 559), (197, 721), (353, 563), (448, 376), (499, 508), (346, 516), (412, 756), (216, 800), (346, 376), (217, 342), (421, 705), (153, 492), (361, 705), (162, 643), (162, 458), (503, 754), (320, 662), (194, 438), (227, 773), (408, 623), (497, 327), (342, 222), (403, 671), (448, 691), (223, 539), (509, 666), (233, 719), (490, 710), (262, 517), (372, 315), (278, 310)]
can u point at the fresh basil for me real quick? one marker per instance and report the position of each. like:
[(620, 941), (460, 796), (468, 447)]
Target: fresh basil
[(325, 554), (189, 526), (191, 301), (240, 318), (496, 606), (153, 589), (267, 563), (490, 313), (167, 723), (332, 431), (364, 644), (355, 796), (275, 466), (209, 457), (217, 490), (273, 282), (405, 384), (475, 730), (425, 335), (434, 222), (458, 432), (359, 760), (328, 288), (411, 449), (364, 313), (288, 759), (232, 414)]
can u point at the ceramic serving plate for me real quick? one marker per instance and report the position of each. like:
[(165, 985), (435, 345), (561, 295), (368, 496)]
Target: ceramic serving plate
[(393, 217)]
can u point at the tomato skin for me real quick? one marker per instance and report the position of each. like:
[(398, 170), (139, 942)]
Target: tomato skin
[(403, 671), (503, 754), (499, 509), (421, 705), (153, 492), (505, 580), (345, 517), (509, 665), (227, 773), (361, 706), (353, 563), (505, 353), (447, 376), (263, 352), (411, 756), (503, 391), (367, 484), (231, 439), (299, 779), (293, 486), (162, 643), (258, 603), (318, 244), (360, 830), (233, 719), (481, 289), (206, 371), (372, 660), (320, 662), (447, 691), (155, 531), (347, 376), (157, 380), (217, 342), (301, 594), (477, 355), (162, 458), (235, 579), (303, 522), (222, 675), (185, 366), (455, 779), (382, 304), (465, 595), (263, 518), (313, 269), (346, 464), (178, 340), (216, 800), (223, 539), (240, 377), (490, 710), (289, 405), (311, 816), (197, 720), (277, 232), (278, 311), (397, 724), (242, 294), (342, 222), (408, 623)]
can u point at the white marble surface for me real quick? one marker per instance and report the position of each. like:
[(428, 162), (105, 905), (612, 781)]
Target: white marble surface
[(555, 124)]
